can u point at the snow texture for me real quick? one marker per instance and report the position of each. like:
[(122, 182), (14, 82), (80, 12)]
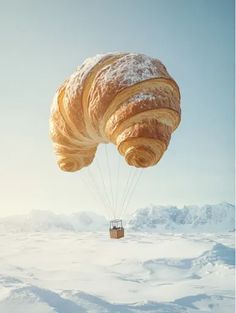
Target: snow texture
[(167, 262), (90, 273)]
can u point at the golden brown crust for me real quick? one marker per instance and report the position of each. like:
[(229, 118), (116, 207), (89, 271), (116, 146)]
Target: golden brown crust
[(147, 128), (124, 98), (158, 101), (126, 71)]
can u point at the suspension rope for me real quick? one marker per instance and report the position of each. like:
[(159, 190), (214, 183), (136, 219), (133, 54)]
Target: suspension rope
[(132, 190), (109, 173), (117, 185), (94, 194), (128, 186), (111, 197), (128, 190), (97, 189), (96, 186), (106, 192)]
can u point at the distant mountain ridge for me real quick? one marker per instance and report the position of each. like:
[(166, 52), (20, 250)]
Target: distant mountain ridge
[(208, 218), (47, 221)]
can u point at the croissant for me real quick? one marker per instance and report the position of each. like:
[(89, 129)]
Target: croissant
[(127, 99)]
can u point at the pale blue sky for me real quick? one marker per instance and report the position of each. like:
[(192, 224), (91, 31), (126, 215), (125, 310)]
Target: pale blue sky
[(42, 42)]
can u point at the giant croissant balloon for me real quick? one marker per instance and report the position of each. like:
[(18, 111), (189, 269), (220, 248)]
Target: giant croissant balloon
[(127, 99)]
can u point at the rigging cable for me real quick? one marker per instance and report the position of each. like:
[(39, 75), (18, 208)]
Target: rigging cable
[(117, 185), (94, 193), (128, 186), (109, 173), (99, 192), (132, 192)]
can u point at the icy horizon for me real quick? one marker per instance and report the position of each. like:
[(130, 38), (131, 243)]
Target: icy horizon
[(208, 218)]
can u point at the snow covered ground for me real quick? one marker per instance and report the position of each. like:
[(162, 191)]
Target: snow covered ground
[(73, 272)]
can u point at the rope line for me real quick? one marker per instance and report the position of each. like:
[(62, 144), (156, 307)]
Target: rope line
[(132, 190), (109, 173), (94, 194), (98, 189), (106, 192), (117, 185), (126, 187), (127, 191), (129, 185), (113, 194)]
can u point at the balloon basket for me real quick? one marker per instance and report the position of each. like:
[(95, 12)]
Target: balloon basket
[(116, 229)]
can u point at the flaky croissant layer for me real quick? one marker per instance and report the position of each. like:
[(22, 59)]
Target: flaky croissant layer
[(127, 99)]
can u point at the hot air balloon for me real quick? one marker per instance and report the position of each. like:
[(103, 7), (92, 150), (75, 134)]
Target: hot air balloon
[(127, 99)]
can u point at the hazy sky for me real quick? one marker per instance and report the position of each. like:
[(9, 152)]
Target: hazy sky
[(42, 42)]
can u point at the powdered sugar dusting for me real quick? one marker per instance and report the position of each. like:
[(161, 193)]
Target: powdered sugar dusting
[(133, 68), (89, 63), (75, 85), (127, 70), (142, 96)]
